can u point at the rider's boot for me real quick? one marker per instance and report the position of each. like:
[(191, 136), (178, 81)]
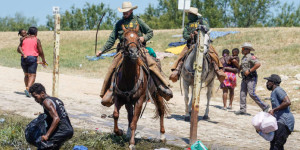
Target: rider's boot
[(163, 90), (109, 75), (107, 99), (220, 73), (176, 73)]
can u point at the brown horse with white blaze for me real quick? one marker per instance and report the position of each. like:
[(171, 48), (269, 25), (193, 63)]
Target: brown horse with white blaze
[(132, 82)]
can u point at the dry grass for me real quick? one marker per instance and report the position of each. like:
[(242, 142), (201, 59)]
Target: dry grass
[(278, 50)]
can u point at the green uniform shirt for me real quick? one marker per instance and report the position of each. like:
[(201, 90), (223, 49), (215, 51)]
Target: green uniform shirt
[(248, 62), (192, 26), (130, 22)]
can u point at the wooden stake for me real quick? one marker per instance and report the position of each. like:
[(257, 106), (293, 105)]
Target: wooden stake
[(56, 56), (196, 91)]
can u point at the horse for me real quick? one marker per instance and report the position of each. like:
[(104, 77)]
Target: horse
[(187, 75), (132, 82)]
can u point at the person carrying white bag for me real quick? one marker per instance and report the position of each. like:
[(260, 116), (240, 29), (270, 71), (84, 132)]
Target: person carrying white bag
[(281, 111), (265, 125)]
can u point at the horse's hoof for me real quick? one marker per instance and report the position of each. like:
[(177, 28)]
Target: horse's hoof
[(163, 138), (187, 118), (205, 118), (131, 147), (119, 132)]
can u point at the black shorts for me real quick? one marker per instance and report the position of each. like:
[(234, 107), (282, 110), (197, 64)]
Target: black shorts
[(29, 64)]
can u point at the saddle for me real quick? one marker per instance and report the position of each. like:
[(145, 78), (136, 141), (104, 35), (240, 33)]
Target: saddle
[(212, 58), (218, 66), (143, 66)]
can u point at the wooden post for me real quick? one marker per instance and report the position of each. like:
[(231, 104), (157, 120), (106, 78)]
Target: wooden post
[(196, 91), (56, 56)]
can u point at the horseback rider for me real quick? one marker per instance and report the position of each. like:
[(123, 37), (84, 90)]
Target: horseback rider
[(190, 34), (131, 21)]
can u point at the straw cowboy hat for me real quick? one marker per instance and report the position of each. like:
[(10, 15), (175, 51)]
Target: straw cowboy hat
[(248, 46), (193, 10), (126, 6)]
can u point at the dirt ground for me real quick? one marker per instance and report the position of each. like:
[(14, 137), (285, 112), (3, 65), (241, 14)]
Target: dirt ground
[(224, 130)]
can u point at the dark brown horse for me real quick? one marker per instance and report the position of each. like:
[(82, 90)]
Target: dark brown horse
[(132, 83)]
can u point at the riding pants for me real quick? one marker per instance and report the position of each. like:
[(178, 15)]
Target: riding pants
[(181, 55), (152, 64)]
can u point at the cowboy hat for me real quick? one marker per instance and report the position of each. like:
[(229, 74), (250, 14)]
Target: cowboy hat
[(126, 6), (248, 46), (193, 10)]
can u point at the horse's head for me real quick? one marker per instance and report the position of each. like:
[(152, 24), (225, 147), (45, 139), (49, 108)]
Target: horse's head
[(131, 42)]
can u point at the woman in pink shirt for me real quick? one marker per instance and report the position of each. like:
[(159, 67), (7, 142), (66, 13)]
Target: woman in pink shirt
[(30, 49), (230, 68)]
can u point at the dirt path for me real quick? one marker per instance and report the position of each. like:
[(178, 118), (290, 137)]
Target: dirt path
[(80, 95)]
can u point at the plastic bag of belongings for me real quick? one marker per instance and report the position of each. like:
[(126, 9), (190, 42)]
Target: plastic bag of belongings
[(34, 131), (265, 124)]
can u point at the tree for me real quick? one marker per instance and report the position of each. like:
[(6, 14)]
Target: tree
[(85, 18), (289, 16), (224, 6), (171, 17), (167, 15), (17, 22), (151, 15), (247, 13), (213, 13), (50, 22)]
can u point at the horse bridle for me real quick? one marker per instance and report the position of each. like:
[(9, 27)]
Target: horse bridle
[(126, 46), (138, 45)]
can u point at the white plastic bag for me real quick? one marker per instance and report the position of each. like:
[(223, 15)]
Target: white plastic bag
[(267, 136), (257, 120), (269, 124)]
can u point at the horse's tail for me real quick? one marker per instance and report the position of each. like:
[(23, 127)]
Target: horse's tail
[(161, 105)]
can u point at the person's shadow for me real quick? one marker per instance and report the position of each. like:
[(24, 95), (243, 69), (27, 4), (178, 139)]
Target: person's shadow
[(19, 93), (187, 119), (229, 110)]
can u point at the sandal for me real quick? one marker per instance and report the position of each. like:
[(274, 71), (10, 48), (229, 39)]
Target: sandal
[(27, 93)]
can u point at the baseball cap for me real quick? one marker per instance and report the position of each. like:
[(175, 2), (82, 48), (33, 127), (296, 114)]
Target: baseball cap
[(274, 78)]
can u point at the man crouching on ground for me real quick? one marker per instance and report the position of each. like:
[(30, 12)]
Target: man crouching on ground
[(59, 127)]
